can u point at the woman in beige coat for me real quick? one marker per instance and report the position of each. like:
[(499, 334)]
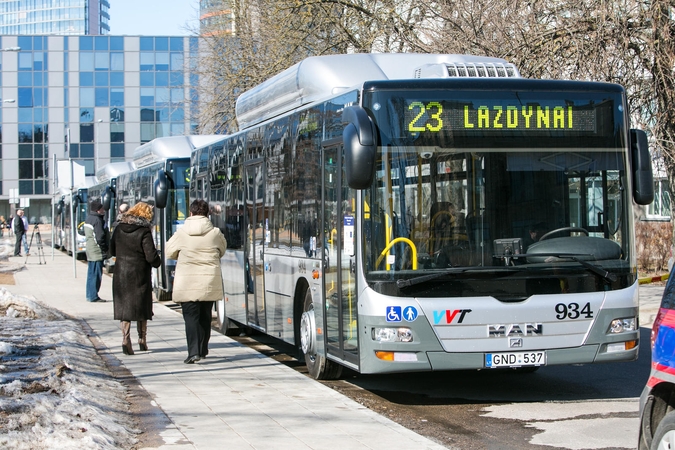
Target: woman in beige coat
[(197, 246)]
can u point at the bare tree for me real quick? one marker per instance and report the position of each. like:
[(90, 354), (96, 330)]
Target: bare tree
[(262, 38)]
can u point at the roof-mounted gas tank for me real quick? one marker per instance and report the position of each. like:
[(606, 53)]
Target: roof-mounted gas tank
[(113, 170), (320, 77), (162, 148)]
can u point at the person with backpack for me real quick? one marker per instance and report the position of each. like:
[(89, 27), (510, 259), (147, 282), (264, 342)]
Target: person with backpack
[(20, 226)]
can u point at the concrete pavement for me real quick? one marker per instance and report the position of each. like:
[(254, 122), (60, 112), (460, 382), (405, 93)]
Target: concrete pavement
[(650, 300), (235, 398)]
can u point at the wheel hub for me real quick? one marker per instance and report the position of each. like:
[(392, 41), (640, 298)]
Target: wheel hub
[(308, 332)]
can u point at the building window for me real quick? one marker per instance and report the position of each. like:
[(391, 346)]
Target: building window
[(117, 151), (25, 97), (117, 134), (86, 78), (87, 132)]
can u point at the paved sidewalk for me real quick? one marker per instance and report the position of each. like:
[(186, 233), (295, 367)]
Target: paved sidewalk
[(236, 398), (650, 300)]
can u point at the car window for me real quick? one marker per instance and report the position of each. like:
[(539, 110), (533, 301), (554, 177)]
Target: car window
[(668, 300)]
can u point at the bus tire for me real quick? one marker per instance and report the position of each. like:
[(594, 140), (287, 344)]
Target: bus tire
[(225, 325), (665, 432), (318, 366)]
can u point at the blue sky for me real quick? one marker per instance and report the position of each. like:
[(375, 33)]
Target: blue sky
[(153, 17)]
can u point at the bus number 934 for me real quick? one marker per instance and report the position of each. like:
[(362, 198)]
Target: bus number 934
[(573, 311)]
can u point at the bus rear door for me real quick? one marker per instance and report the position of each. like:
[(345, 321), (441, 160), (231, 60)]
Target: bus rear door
[(254, 249)]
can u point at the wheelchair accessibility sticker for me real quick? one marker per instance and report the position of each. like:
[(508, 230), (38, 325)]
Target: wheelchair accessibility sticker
[(393, 313), (410, 313)]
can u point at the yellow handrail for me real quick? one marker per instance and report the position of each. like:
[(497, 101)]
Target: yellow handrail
[(396, 241)]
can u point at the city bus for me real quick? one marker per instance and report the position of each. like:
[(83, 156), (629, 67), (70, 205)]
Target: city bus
[(104, 191), (64, 201), (161, 172), (408, 212)]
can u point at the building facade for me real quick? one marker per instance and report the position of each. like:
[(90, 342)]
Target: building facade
[(92, 99), (54, 17)]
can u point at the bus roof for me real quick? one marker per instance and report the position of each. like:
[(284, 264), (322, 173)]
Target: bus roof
[(318, 77), (163, 148), (112, 170)]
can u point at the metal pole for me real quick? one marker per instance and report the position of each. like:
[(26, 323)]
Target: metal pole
[(73, 226), (54, 183)]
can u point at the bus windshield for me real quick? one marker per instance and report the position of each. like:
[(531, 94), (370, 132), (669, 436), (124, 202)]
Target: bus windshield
[(485, 180), (179, 195), (82, 210)]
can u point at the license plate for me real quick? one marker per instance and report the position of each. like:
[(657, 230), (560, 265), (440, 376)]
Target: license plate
[(515, 359)]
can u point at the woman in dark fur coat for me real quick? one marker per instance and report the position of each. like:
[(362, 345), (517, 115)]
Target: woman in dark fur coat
[(132, 246)]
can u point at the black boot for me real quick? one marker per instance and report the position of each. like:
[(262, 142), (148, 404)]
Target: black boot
[(142, 326), (126, 339)]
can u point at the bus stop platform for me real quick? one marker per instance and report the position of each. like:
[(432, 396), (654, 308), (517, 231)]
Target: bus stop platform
[(235, 398)]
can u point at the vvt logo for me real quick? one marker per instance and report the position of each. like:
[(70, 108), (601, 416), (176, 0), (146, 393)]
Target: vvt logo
[(450, 316)]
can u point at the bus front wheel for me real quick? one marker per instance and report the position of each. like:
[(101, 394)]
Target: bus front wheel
[(318, 366)]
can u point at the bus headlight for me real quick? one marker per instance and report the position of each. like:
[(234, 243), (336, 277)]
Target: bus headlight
[(392, 334), (622, 325)]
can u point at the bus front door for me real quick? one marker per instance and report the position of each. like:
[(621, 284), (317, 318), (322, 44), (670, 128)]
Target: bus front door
[(339, 216), (255, 237)]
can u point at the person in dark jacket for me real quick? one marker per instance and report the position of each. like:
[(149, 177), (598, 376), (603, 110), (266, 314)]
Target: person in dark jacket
[(135, 254), (96, 235)]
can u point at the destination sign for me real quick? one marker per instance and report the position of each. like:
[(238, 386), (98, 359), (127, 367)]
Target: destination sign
[(436, 116)]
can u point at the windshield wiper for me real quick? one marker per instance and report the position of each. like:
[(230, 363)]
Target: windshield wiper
[(604, 274), (607, 276), (423, 278)]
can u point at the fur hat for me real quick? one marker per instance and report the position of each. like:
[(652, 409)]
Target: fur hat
[(141, 209)]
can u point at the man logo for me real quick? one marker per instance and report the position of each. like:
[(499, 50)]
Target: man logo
[(515, 329), (515, 342)]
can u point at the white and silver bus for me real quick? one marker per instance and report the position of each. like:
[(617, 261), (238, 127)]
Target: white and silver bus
[(78, 200), (408, 212)]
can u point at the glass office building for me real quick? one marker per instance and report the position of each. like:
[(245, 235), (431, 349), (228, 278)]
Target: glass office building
[(62, 17), (92, 99)]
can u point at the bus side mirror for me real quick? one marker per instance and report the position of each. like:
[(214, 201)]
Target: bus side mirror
[(360, 147), (59, 207), (107, 197), (643, 179), (161, 190)]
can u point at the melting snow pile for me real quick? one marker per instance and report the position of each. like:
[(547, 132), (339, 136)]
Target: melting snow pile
[(55, 391)]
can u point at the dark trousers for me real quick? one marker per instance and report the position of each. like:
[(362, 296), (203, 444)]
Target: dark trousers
[(17, 245), (197, 317)]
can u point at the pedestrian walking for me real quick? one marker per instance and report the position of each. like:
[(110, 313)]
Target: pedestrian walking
[(20, 226), (96, 235), (135, 255), (3, 225), (197, 247)]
